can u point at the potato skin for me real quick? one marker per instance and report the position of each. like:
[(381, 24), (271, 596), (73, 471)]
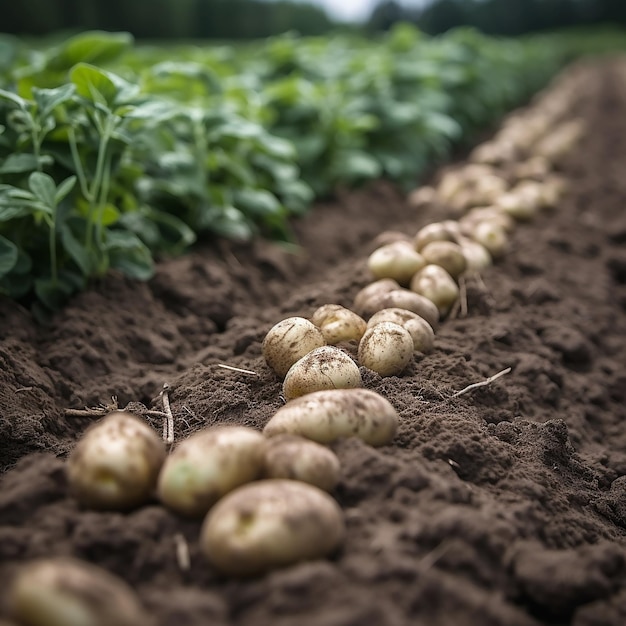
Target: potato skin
[(297, 458), (69, 592), (116, 463), (325, 416), (420, 330), (271, 524), (386, 348), (381, 286), (327, 367), (446, 254), (397, 260), (434, 283), (209, 464), (338, 323), (403, 299), (290, 340)]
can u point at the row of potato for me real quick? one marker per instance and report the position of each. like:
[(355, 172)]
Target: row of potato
[(264, 496)]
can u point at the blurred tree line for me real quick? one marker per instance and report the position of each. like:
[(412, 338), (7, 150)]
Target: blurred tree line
[(178, 19), (237, 19), (500, 17)]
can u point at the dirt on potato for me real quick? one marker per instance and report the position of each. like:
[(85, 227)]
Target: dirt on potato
[(502, 506)]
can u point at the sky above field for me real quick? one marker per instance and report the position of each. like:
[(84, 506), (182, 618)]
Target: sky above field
[(357, 10)]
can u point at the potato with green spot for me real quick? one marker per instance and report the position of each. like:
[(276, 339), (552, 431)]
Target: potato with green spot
[(208, 465)]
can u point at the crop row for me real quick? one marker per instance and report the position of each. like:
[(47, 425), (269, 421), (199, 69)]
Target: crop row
[(111, 155)]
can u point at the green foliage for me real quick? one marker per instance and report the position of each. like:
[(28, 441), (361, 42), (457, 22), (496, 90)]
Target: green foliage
[(111, 155)]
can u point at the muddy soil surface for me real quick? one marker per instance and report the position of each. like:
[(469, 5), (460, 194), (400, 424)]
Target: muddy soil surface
[(503, 506)]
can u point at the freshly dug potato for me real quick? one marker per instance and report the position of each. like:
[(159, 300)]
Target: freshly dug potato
[(69, 592), (434, 283), (536, 167), (388, 236), (297, 458), (327, 367), (553, 188), (386, 349), (492, 214), (422, 196), (397, 260), (436, 231), (325, 416), (290, 340), (373, 289), (209, 464), (338, 323), (446, 254), (477, 257), (519, 206), (116, 463), (271, 524), (420, 330), (403, 299), (492, 237)]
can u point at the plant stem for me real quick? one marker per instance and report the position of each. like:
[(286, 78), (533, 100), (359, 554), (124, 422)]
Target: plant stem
[(78, 166), (97, 182)]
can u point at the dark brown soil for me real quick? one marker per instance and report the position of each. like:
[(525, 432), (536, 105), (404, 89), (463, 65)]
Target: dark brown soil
[(505, 506)]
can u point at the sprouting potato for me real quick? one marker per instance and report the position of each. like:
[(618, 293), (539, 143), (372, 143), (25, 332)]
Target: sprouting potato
[(397, 260), (446, 254), (290, 340), (327, 367), (386, 348), (373, 289), (68, 592), (477, 257), (436, 231), (116, 463), (209, 464), (271, 524), (403, 299), (297, 458), (434, 283), (420, 330), (325, 416), (492, 236), (338, 323)]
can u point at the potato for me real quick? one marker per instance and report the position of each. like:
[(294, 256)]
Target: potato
[(397, 260), (388, 236), (116, 463), (477, 257), (520, 206), (492, 237), (446, 254), (373, 289), (209, 464), (325, 416), (437, 231), (323, 368), (288, 341), (386, 349), (271, 524), (297, 458), (493, 214), (422, 196), (434, 283), (403, 299), (420, 330), (69, 592), (338, 323)]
